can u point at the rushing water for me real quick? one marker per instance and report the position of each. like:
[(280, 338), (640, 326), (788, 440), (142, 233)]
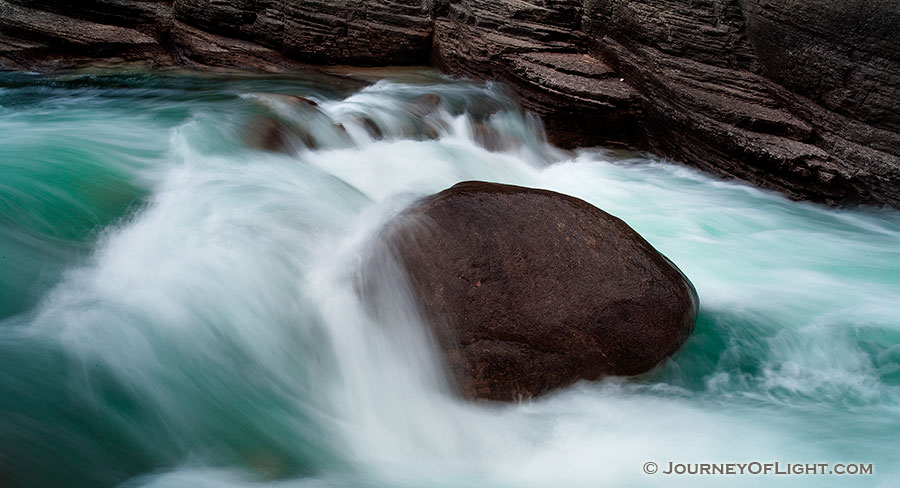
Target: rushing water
[(180, 309)]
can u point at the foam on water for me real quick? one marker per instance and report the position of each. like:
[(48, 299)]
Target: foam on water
[(208, 331)]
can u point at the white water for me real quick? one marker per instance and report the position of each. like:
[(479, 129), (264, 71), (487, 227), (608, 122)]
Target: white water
[(225, 309)]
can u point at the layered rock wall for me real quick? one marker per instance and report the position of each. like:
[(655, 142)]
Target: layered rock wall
[(358, 32)]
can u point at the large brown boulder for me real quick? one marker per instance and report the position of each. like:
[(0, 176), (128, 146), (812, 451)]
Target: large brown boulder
[(529, 290)]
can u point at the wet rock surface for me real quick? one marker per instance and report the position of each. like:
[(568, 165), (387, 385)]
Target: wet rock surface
[(529, 290), (798, 96), (765, 92)]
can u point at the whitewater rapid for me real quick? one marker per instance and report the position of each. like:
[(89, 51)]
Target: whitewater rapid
[(188, 313)]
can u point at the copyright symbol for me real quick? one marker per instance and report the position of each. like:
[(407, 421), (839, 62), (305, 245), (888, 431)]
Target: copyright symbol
[(650, 467)]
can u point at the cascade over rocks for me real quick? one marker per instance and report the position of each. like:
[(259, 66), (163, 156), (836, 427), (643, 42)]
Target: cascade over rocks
[(800, 96)]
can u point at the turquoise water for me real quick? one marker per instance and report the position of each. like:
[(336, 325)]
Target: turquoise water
[(179, 309)]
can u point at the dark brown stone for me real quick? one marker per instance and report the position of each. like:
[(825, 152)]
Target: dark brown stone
[(268, 134), (529, 290), (371, 127), (487, 137), (425, 104)]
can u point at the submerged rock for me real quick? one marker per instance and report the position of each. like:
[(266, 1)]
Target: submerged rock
[(270, 134), (425, 104), (288, 98), (489, 138), (370, 126), (529, 290)]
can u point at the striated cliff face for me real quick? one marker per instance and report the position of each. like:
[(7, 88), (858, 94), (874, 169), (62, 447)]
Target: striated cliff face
[(357, 32), (802, 96)]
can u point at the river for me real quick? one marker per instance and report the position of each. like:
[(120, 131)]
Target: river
[(178, 308)]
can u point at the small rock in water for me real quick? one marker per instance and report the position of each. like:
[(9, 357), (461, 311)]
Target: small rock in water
[(305, 100), (283, 97), (270, 134), (370, 126), (425, 104), (429, 131), (488, 137), (480, 110)]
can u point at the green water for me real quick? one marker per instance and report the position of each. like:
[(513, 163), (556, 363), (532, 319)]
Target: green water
[(180, 309)]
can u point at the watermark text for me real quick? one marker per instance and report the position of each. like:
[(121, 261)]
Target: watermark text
[(759, 468)]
